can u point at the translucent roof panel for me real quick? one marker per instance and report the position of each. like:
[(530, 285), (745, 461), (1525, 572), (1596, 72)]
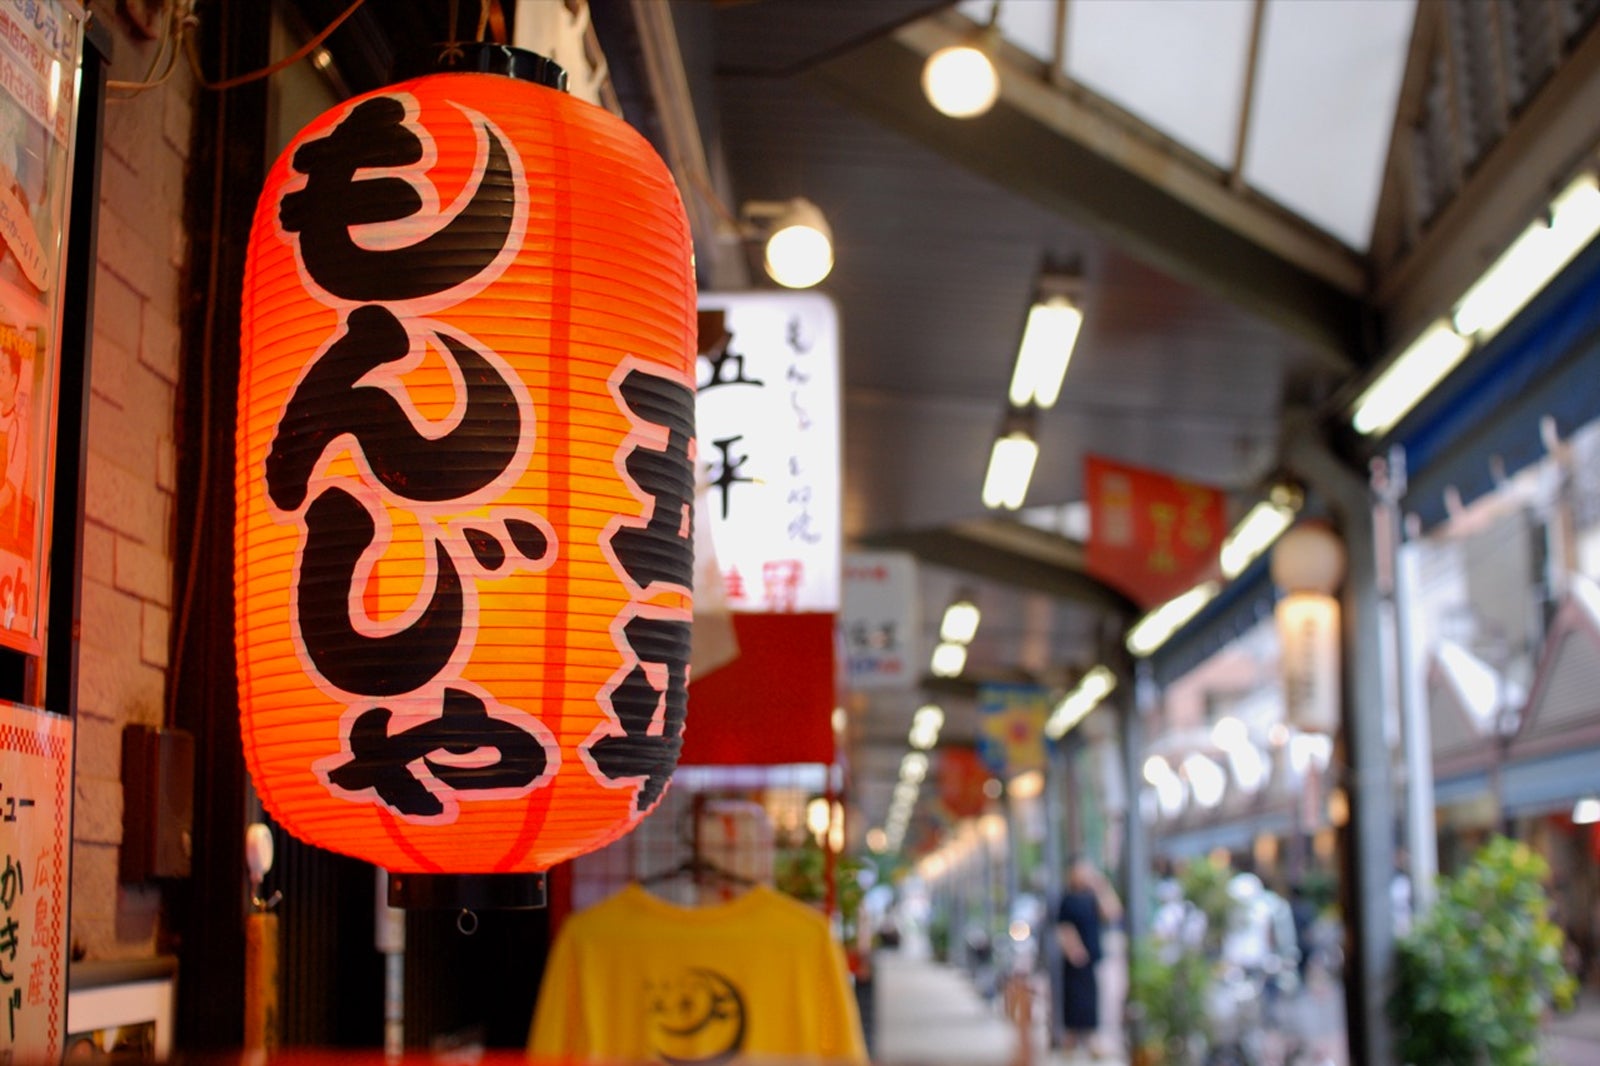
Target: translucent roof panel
[(1326, 89), (1328, 77), (1179, 67)]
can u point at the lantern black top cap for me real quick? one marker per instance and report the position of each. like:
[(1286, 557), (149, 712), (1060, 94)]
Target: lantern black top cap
[(481, 57)]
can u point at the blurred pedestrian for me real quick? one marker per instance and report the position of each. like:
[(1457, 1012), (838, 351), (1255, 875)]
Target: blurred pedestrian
[(1088, 902)]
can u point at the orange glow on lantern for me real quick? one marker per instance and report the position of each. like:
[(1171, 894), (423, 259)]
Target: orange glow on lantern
[(464, 474)]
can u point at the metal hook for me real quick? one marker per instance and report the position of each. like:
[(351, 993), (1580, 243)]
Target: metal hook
[(466, 922)]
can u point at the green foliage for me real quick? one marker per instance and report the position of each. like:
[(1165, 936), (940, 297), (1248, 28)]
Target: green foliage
[(939, 936), (802, 872), (1167, 998), (1205, 884), (1476, 975)]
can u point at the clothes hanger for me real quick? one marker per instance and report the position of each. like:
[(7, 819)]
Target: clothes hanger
[(701, 869)]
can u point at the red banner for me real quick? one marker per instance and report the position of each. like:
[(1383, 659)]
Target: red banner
[(1150, 535)]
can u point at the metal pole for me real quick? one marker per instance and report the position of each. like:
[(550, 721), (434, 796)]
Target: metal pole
[(1367, 775), (389, 937), (1422, 840)]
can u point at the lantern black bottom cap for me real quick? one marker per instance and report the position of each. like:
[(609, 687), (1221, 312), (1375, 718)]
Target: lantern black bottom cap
[(467, 892)]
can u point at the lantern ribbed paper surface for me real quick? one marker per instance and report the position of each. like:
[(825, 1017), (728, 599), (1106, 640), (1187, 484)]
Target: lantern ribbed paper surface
[(465, 469)]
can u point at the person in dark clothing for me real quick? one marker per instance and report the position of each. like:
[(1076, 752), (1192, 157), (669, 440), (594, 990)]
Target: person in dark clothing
[(1088, 902)]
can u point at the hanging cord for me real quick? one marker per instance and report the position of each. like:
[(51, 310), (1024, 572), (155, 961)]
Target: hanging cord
[(175, 26), (453, 48), (266, 72)]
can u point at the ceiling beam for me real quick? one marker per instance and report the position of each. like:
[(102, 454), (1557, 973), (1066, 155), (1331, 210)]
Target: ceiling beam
[(1010, 553), (1073, 156), (1548, 141)]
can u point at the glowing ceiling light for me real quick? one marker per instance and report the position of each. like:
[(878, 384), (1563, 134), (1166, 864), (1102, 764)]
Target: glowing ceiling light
[(1155, 628), (960, 623), (1264, 524), (1535, 257), (949, 660), (1085, 696), (1409, 378), (1010, 469), (961, 81), (1047, 341)]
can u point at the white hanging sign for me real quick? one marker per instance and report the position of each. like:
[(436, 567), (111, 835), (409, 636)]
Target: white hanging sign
[(767, 418), (880, 620), (1308, 633)]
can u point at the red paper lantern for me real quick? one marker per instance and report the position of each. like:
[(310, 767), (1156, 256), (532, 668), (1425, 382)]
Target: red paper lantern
[(465, 470)]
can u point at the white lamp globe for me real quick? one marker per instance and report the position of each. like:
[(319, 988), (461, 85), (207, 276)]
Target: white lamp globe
[(960, 81), (799, 256), (1308, 558)]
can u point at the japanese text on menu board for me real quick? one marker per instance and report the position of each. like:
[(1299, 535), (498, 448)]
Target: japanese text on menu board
[(768, 428), (35, 811)]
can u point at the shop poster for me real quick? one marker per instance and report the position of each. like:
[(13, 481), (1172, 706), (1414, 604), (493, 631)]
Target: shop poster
[(39, 51), (35, 816)]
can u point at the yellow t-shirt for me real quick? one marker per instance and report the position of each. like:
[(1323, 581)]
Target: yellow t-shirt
[(637, 979)]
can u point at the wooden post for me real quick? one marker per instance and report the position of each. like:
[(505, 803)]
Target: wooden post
[(261, 982)]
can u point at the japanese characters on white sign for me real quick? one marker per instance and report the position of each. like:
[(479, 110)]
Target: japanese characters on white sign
[(767, 417), (880, 619), (35, 813)]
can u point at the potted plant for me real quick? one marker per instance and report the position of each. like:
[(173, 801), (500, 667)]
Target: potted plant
[(1166, 1004), (1477, 974)]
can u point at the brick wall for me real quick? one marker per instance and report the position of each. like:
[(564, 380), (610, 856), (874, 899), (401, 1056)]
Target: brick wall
[(128, 543)]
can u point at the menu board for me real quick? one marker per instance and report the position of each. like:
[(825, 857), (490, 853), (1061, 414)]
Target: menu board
[(39, 51), (35, 815)]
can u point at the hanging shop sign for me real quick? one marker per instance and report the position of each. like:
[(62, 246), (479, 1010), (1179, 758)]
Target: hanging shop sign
[(1151, 535), (879, 621), (465, 474), (1012, 717), (35, 845), (767, 409), (1308, 633), (768, 414), (39, 53)]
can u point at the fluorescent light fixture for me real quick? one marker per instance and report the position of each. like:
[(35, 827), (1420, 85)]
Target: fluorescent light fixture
[(1157, 770), (1586, 811), (1248, 766), (960, 622), (1170, 789), (1230, 733), (1085, 696), (1155, 628), (1047, 342), (913, 766), (1206, 780), (1010, 470), (925, 726), (1535, 257), (960, 81), (1309, 751), (1410, 377), (949, 660), (1264, 524)]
